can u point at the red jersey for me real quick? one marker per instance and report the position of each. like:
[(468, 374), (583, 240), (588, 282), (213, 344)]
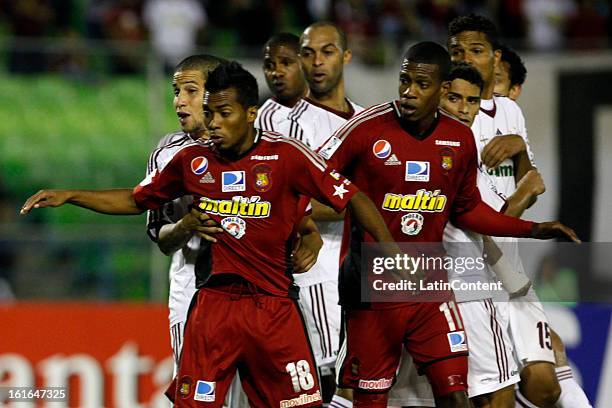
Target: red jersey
[(417, 184), (254, 198)]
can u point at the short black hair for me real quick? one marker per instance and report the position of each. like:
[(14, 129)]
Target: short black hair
[(232, 75), (475, 22), (341, 33), (517, 72), (428, 52), (203, 62), (463, 70), (288, 39)]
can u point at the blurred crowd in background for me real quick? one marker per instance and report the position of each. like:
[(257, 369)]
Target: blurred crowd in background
[(377, 29)]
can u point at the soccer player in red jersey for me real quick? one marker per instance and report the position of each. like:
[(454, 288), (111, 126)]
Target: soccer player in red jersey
[(419, 166), (245, 316)]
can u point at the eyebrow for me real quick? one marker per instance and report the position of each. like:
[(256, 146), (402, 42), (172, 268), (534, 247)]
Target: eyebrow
[(175, 83), (225, 105)]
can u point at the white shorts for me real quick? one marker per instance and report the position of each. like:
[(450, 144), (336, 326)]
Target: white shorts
[(530, 330), (322, 313), (410, 388), (491, 363)]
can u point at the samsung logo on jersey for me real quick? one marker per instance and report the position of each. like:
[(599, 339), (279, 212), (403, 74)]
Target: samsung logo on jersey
[(238, 205), (447, 143), (271, 157), (423, 200)]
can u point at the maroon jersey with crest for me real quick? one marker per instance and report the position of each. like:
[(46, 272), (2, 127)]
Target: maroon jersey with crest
[(416, 184), (254, 198)]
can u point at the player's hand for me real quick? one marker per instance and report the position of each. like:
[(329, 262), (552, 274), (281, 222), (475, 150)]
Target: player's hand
[(201, 225), (554, 229), (305, 252), (501, 148), (45, 198)]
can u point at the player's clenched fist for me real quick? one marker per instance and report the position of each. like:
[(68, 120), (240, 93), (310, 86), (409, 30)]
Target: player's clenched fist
[(45, 198)]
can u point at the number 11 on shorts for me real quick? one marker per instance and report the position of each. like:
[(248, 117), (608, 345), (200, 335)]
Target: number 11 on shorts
[(301, 378), (446, 308)]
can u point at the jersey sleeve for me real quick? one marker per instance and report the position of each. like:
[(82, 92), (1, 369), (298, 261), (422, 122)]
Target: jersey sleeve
[(522, 131), (468, 195), (161, 216), (343, 147), (160, 186), (312, 177)]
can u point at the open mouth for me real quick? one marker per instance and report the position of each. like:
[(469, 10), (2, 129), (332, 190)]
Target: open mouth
[(408, 109), (183, 116), (319, 76)]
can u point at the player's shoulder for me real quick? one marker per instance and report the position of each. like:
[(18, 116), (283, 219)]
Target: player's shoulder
[(507, 105), (372, 116), (173, 138), (356, 107), (285, 147)]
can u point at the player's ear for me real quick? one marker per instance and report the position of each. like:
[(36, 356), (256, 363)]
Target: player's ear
[(497, 58), (251, 114), (445, 87), (515, 91), (346, 56)]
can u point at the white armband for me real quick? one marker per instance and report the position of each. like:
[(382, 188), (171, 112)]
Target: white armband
[(515, 283)]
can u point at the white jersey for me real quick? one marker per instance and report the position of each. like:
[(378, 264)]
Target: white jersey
[(499, 116), (272, 116), (313, 124), (182, 273)]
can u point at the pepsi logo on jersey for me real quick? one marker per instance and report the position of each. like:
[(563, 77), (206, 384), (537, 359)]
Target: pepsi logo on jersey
[(199, 165), (381, 149)]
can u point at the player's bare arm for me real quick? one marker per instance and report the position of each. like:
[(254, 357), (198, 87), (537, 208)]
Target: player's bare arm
[(115, 201), (529, 187), (308, 246), (367, 215), (501, 148), (173, 237), (323, 213), (522, 165)]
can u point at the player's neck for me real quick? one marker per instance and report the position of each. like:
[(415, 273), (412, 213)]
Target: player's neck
[(487, 90), (197, 134), (245, 146), (290, 102), (334, 99)]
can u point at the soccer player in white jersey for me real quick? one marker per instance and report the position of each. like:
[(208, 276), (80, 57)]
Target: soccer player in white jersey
[(285, 79), (323, 54), (509, 79), (171, 227), (501, 138)]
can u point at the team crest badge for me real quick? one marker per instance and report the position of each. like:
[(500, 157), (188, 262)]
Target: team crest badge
[(447, 156), (263, 177), (235, 226), (185, 386), (412, 223)]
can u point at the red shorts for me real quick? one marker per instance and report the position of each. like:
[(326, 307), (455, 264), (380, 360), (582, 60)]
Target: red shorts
[(431, 332), (261, 336)]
